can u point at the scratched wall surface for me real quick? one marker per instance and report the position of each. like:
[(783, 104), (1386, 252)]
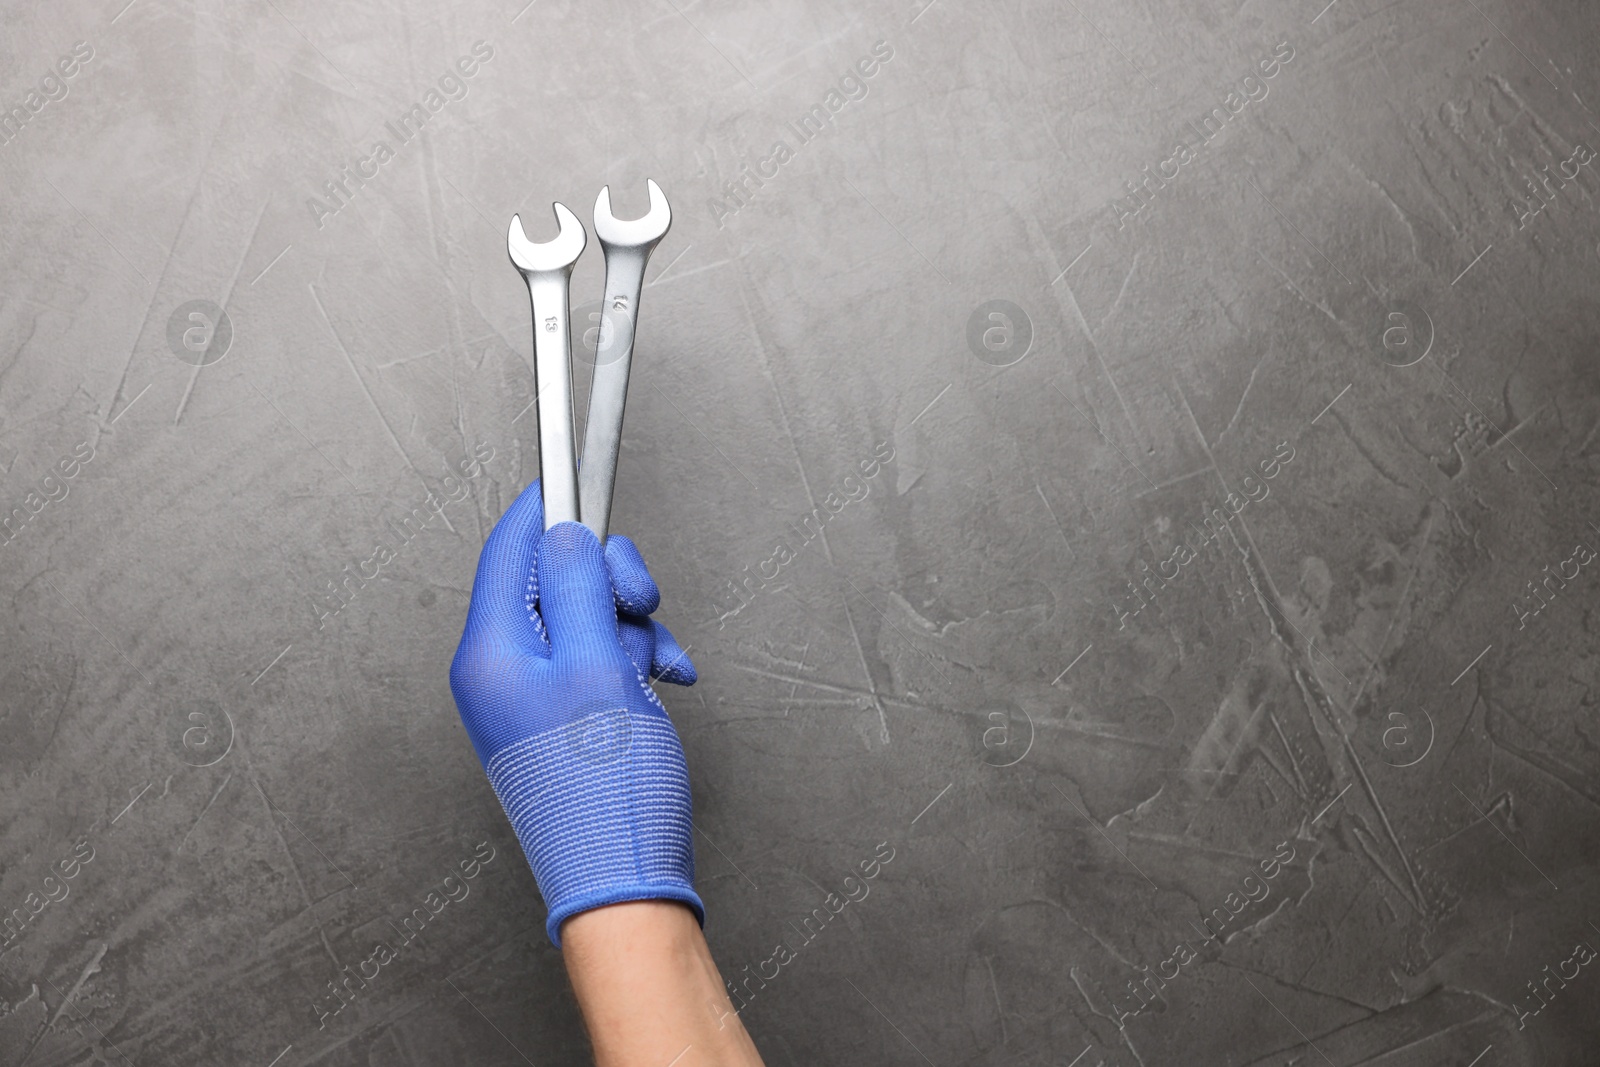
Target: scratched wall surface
[(1126, 474)]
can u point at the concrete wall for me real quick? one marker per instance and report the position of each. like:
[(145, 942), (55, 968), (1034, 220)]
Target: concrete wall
[(1217, 614)]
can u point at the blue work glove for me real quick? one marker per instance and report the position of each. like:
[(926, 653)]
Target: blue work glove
[(550, 680)]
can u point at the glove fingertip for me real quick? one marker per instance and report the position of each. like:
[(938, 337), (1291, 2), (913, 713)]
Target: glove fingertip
[(681, 673), (636, 592), (672, 662), (637, 640)]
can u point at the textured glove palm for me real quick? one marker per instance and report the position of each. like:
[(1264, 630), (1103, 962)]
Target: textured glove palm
[(550, 682)]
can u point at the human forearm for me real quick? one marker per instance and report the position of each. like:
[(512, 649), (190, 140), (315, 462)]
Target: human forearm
[(650, 993)]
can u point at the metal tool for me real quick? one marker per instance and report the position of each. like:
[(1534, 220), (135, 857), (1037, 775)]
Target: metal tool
[(627, 244), (547, 268)]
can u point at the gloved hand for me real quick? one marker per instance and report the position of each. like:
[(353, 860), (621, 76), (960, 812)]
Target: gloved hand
[(550, 682)]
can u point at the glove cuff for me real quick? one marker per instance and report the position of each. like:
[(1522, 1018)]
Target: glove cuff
[(619, 895), (601, 807)]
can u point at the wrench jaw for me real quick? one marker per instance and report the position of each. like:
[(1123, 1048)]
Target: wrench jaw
[(547, 269), (539, 258), (642, 233)]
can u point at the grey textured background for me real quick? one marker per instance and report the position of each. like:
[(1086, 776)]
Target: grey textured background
[(1068, 793)]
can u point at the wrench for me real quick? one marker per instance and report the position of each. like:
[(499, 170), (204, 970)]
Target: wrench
[(547, 268), (627, 244)]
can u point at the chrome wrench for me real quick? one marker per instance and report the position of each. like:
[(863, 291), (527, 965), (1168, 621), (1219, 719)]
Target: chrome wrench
[(627, 245), (547, 268)]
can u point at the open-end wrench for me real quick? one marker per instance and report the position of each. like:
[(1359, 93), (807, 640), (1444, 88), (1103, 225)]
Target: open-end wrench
[(627, 245), (547, 268)]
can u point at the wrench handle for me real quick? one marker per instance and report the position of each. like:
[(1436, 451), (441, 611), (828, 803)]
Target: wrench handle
[(608, 396), (552, 380)]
